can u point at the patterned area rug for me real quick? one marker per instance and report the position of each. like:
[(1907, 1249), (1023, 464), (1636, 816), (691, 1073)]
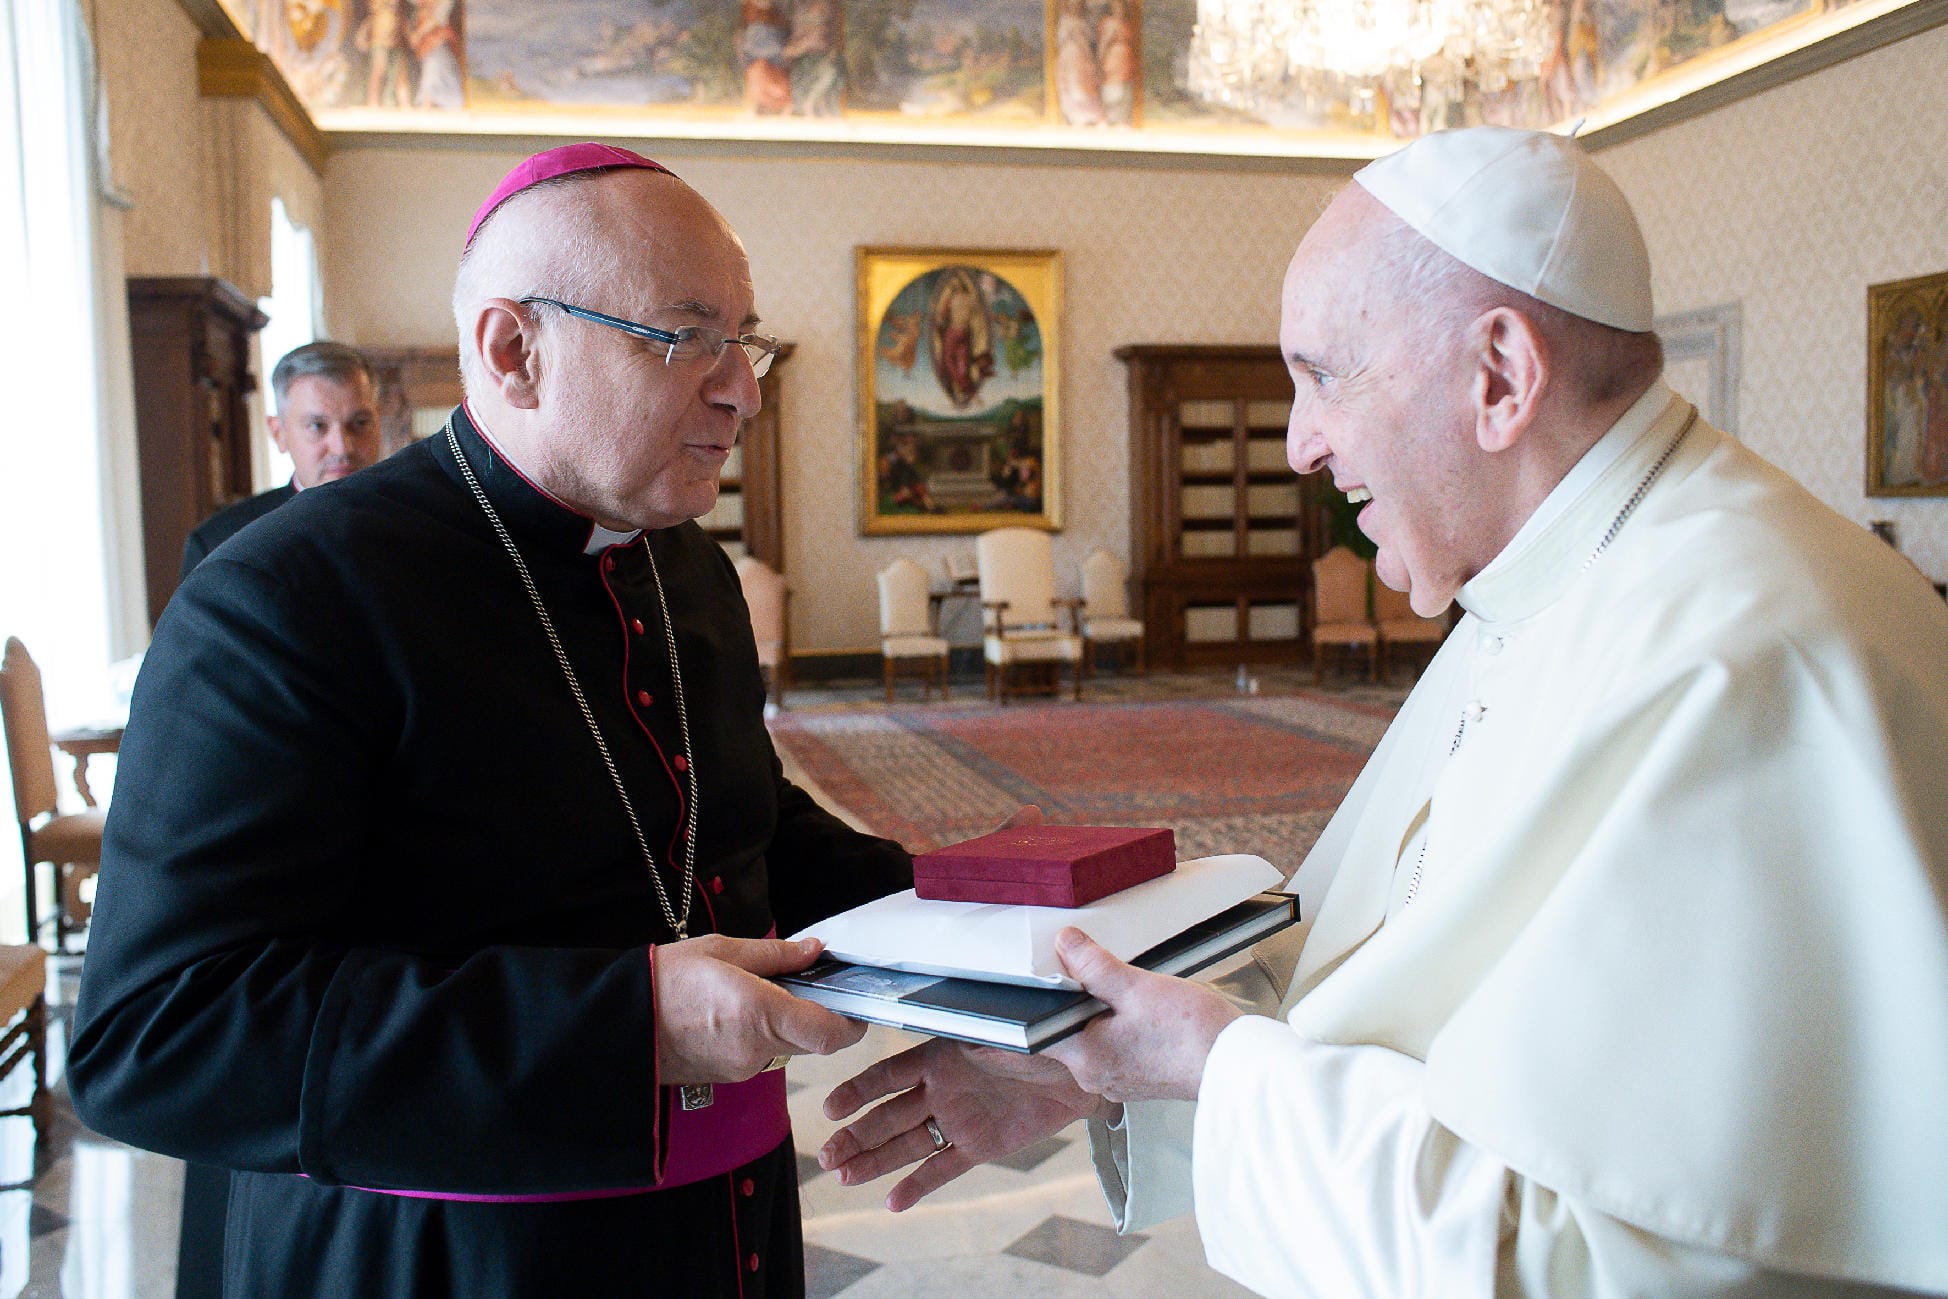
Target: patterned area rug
[(1259, 774)]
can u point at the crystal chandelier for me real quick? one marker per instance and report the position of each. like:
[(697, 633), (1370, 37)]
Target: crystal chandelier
[(1276, 58)]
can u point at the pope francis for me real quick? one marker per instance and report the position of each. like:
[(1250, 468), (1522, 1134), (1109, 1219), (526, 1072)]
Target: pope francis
[(1629, 974)]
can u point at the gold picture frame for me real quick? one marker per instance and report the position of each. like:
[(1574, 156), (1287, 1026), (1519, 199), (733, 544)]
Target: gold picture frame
[(959, 370), (1907, 387)]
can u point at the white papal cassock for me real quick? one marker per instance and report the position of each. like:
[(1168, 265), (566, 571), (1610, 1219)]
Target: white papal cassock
[(1667, 1012)]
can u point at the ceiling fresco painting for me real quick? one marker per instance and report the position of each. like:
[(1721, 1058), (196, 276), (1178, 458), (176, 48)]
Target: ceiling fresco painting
[(1064, 73)]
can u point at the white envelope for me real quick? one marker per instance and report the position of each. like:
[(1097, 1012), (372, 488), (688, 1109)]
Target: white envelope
[(1010, 943)]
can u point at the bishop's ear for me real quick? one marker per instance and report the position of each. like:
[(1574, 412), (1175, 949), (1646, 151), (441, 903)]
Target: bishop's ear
[(510, 355), (1512, 366)]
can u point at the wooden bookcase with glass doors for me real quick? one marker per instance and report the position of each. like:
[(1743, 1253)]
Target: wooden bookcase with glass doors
[(1223, 533)]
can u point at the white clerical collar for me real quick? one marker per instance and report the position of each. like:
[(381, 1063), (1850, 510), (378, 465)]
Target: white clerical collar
[(599, 537), (1555, 541)]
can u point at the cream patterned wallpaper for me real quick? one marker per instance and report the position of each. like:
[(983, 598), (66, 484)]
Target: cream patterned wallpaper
[(201, 172), (1148, 256), (1790, 204), (147, 54)]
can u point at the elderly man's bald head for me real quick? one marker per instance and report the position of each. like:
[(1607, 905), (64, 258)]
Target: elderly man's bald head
[(602, 319), (575, 238)]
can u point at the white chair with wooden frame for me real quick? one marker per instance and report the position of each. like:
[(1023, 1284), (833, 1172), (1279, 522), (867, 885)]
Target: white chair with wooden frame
[(70, 843), (1019, 610), (1106, 609), (1339, 618), (906, 630)]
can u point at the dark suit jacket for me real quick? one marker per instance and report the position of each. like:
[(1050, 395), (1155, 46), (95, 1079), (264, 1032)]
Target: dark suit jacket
[(226, 523)]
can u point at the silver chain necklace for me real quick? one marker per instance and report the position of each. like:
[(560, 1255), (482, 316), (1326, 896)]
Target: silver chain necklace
[(678, 921), (1610, 534)]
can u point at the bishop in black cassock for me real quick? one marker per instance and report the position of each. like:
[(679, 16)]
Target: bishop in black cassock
[(371, 915)]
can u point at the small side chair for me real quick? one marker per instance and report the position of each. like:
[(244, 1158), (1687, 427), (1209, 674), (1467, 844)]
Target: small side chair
[(1402, 628), (1339, 583), (1106, 609), (769, 597), (906, 629), (70, 843)]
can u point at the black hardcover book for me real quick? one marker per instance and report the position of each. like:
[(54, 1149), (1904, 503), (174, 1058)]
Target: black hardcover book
[(1015, 1017)]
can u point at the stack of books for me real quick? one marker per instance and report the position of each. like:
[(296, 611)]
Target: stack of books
[(985, 971)]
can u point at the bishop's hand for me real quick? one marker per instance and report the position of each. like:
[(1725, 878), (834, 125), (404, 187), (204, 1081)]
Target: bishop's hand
[(719, 1020), (984, 1102)]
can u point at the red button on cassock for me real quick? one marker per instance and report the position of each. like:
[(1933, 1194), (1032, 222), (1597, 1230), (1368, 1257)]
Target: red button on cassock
[(716, 883), (749, 1187), (608, 563), (636, 625), (752, 1262), (681, 763), (642, 697)]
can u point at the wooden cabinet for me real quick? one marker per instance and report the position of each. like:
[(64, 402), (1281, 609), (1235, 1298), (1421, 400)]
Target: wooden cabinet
[(749, 515), (190, 339), (418, 386), (416, 389), (1223, 534)]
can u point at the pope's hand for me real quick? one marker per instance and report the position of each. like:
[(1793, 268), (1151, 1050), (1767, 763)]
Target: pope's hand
[(718, 1020), (988, 1103), (1153, 1043)]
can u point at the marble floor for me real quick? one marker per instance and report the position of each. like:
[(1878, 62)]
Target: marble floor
[(1034, 1226), (89, 1218), (83, 1216)]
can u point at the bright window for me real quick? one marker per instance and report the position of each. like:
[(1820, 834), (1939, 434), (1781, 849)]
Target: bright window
[(293, 309), (54, 576)]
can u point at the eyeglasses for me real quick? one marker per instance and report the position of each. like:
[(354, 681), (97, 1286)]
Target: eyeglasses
[(690, 343)]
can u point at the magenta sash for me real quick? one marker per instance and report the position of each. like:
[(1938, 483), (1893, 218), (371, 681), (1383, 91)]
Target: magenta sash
[(745, 1120)]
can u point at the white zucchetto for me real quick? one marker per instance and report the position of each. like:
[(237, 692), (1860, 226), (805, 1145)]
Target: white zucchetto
[(1527, 209)]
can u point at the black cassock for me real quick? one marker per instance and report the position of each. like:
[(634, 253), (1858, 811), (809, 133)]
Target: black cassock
[(371, 915)]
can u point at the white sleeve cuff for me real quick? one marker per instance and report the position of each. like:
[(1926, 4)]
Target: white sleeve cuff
[(1144, 1162)]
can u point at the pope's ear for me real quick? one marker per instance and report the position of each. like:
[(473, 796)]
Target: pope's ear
[(1512, 369), (504, 334)]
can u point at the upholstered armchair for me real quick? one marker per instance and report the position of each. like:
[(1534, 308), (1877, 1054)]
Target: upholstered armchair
[(70, 844), (1401, 628), (1019, 609), (769, 598), (1106, 608), (1339, 617), (906, 629)]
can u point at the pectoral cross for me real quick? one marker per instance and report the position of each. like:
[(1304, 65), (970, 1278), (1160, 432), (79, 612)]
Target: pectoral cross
[(695, 1096)]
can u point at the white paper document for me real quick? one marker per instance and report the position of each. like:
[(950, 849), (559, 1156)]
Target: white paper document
[(1008, 943)]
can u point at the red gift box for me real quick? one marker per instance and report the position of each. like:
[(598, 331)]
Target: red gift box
[(1045, 865)]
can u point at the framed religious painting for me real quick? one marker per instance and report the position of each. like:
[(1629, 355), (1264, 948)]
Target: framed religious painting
[(1907, 387), (959, 363)]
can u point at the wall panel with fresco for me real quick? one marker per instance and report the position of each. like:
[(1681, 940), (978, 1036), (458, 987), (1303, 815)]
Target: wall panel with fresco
[(1078, 73)]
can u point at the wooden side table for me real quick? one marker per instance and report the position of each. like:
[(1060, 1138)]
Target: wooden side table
[(83, 743)]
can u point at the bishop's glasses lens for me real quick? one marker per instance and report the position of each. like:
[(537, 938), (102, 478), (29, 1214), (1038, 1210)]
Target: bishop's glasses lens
[(702, 343), (761, 351)]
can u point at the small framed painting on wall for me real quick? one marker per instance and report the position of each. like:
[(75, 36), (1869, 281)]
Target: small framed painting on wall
[(1907, 387), (958, 367)]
